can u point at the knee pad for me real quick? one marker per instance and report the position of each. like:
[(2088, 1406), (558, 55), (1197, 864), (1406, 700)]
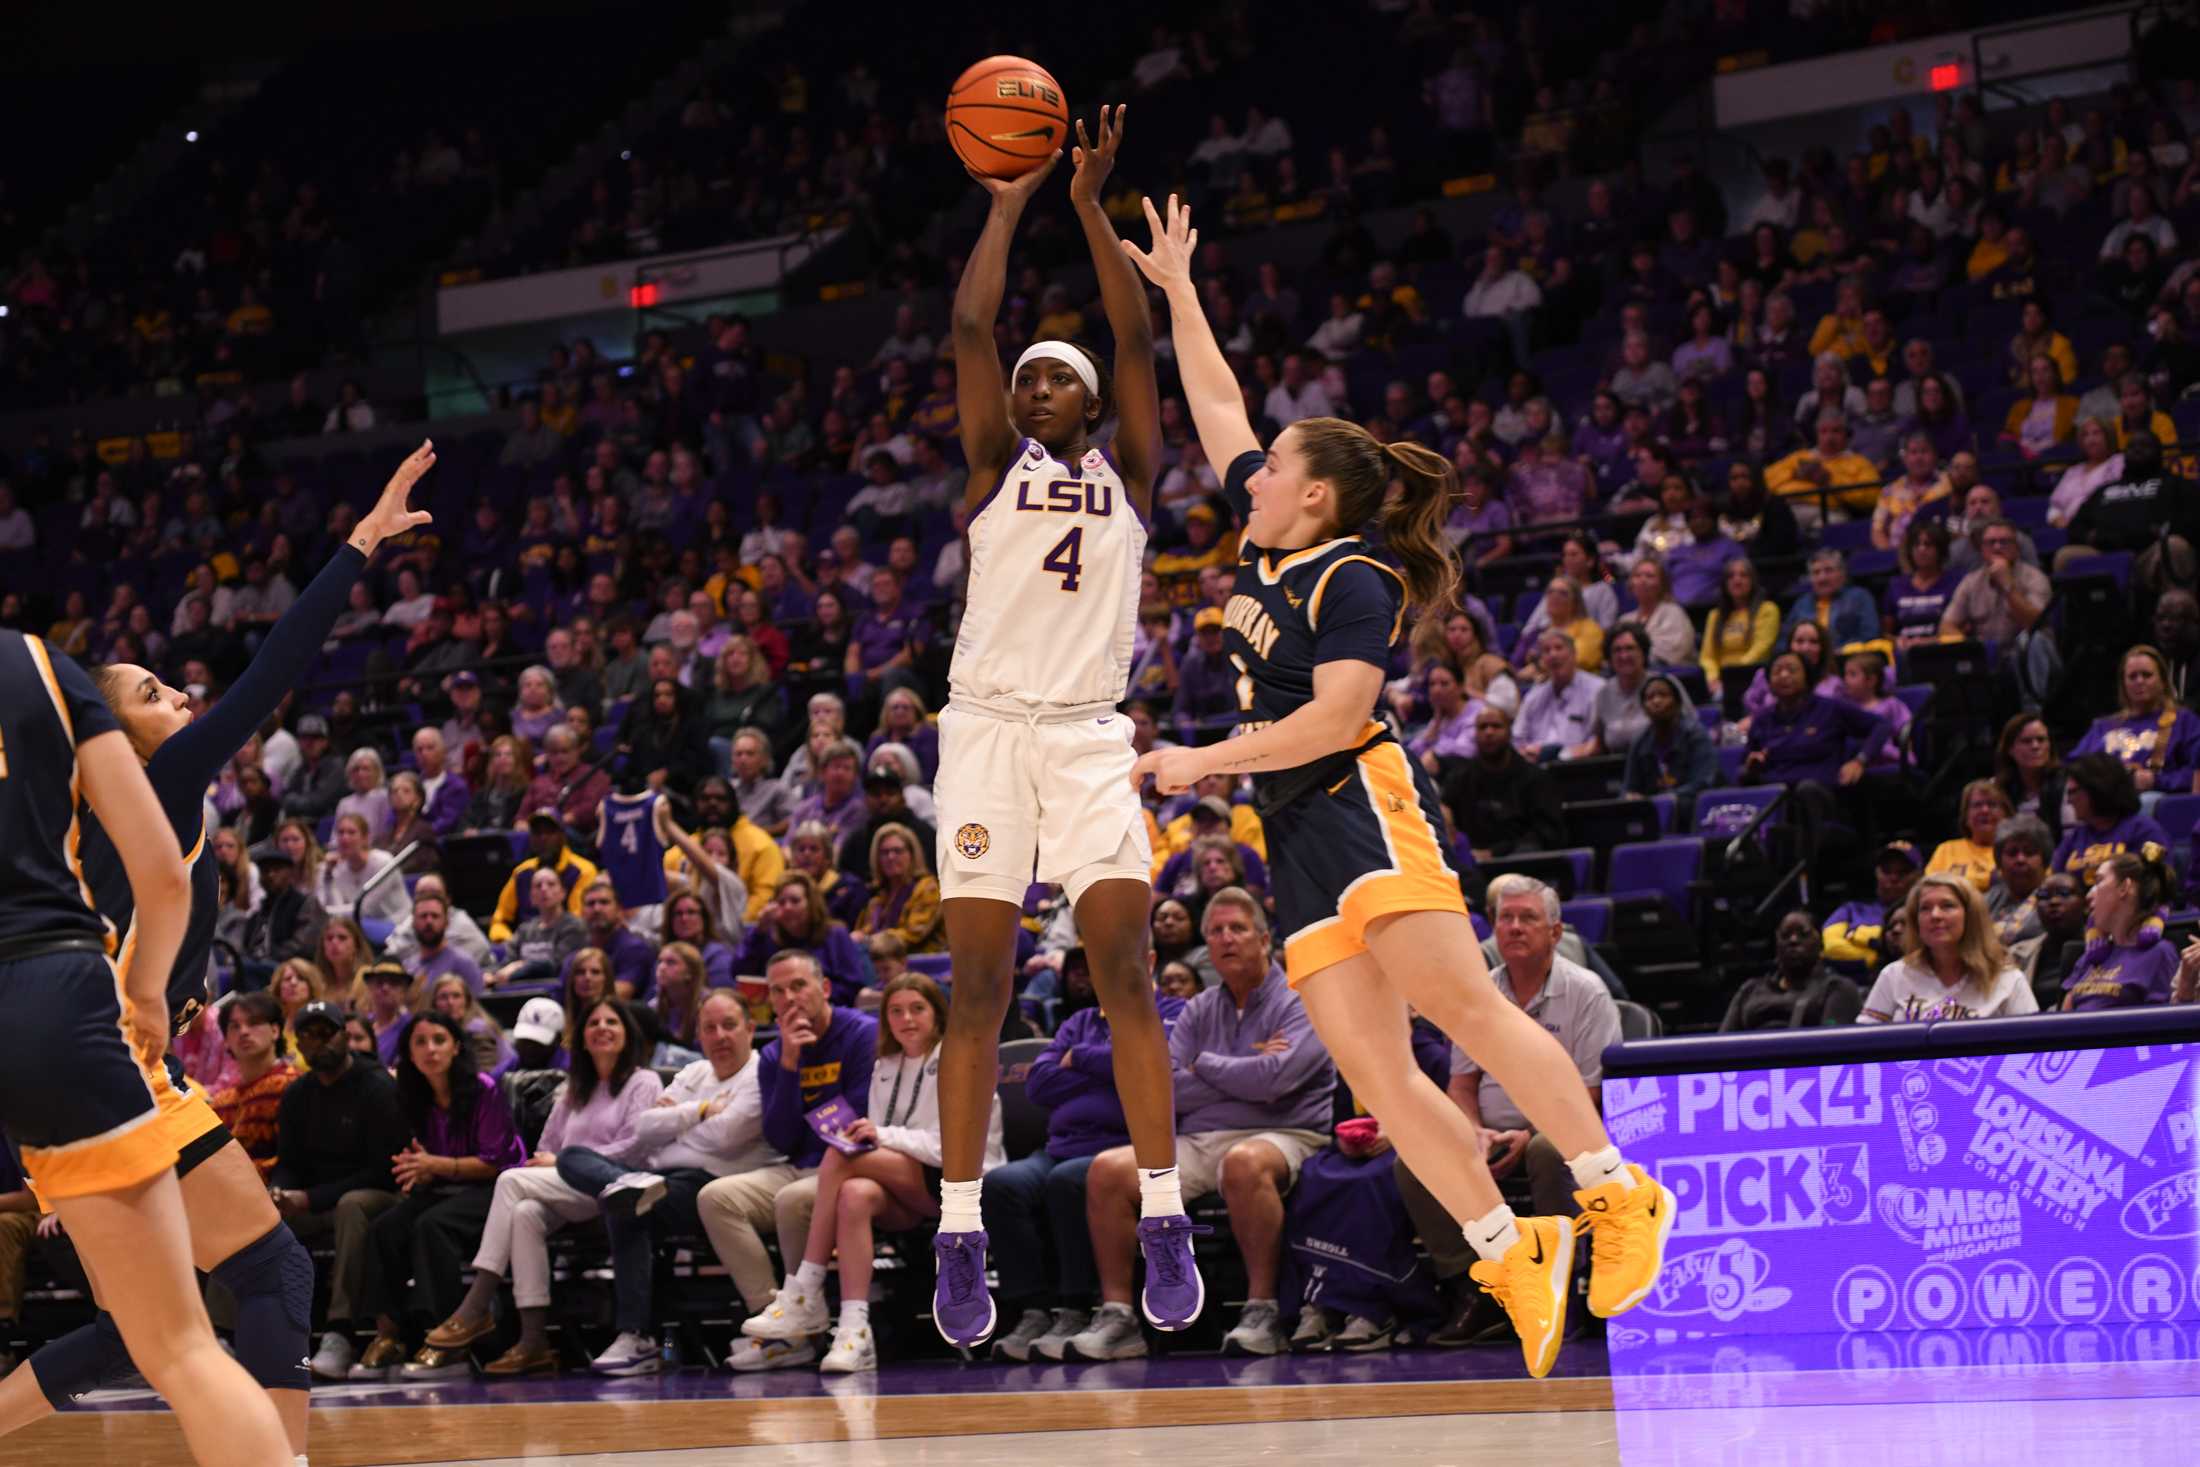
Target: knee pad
[(273, 1282), (81, 1360)]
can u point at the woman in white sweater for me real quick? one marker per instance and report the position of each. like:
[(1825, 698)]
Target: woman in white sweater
[(894, 1183)]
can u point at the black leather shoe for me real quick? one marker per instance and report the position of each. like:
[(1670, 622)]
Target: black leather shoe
[(1475, 1319)]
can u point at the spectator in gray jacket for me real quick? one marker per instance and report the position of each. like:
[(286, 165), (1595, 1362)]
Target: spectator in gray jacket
[(1253, 1094)]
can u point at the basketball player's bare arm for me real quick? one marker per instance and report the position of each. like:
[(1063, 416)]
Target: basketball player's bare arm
[(1123, 297), (981, 394), (1344, 692), (1210, 388)]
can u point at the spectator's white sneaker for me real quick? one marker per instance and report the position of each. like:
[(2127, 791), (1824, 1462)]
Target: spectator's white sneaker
[(1016, 1344), (791, 1315), (335, 1357), (1113, 1335), (752, 1355), (1362, 1335), (630, 1354), (1313, 1335), (643, 1190), (853, 1350), (1259, 1332), (1067, 1324)]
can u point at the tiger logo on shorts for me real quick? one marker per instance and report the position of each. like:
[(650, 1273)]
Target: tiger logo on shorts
[(971, 841)]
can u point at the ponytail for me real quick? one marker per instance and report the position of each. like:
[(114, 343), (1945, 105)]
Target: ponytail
[(1413, 524), (1359, 470), (2147, 868)]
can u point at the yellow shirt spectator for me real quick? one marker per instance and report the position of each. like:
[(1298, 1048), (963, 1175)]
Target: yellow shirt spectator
[(1830, 465)]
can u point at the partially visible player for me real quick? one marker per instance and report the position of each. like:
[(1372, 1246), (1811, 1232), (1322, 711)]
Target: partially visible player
[(633, 853), (1365, 895), (82, 1088), (1034, 759), (235, 1232)]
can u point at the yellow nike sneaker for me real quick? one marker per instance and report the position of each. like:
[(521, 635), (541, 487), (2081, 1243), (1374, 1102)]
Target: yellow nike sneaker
[(1627, 1230), (1533, 1282)]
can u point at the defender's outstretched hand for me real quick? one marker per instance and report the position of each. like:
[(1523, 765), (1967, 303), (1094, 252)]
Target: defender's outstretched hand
[(391, 515), (1174, 770), (1169, 262)]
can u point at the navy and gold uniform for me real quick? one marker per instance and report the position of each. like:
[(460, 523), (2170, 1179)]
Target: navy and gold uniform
[(180, 770), (1359, 834), (76, 1093)]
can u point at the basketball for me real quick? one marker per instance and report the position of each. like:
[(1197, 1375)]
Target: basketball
[(1006, 116)]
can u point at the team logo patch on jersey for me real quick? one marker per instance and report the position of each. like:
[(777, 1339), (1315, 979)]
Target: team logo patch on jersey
[(971, 841)]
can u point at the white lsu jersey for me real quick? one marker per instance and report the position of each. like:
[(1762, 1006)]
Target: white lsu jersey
[(1056, 554)]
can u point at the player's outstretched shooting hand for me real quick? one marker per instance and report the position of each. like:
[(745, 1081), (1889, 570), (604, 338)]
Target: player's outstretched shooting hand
[(1016, 191), (1094, 162), (391, 515)]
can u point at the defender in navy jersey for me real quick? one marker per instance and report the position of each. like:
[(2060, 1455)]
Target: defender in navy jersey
[(82, 1090), (1034, 758), (1371, 909), (237, 1233)]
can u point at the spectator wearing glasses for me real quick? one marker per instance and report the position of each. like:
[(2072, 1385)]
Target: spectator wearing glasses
[(2105, 816)]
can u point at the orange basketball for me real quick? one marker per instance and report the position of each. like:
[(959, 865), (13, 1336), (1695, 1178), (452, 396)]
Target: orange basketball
[(1006, 115)]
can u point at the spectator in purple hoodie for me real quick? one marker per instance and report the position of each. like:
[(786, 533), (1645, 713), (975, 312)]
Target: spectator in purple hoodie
[(1035, 1207), (823, 1053), (445, 789), (2128, 960), (1253, 1092)]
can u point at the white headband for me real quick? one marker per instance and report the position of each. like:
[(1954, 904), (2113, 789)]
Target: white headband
[(1069, 356)]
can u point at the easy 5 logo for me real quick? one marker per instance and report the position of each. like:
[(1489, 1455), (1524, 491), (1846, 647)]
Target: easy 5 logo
[(2165, 1210), (1726, 1282)]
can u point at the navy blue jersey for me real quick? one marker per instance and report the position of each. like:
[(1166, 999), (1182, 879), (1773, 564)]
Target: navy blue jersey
[(1293, 610), (183, 767), (47, 707), (633, 857)]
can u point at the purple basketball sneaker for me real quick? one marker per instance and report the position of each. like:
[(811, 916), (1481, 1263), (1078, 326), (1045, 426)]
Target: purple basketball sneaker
[(962, 1307), (1174, 1293)]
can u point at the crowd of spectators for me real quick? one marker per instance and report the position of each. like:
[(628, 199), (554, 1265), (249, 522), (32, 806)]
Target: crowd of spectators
[(1728, 489)]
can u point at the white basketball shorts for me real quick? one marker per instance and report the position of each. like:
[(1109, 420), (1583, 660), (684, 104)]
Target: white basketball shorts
[(1023, 801)]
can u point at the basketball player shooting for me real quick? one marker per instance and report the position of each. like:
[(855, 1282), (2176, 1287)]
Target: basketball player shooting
[(1034, 760)]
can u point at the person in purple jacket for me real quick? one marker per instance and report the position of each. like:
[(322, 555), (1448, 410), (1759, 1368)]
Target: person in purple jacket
[(2105, 819), (1035, 1206), (796, 918), (446, 791), (1808, 736), (462, 1139), (633, 957), (2128, 960), (607, 1088), (1253, 1096), (824, 1053), (2154, 737)]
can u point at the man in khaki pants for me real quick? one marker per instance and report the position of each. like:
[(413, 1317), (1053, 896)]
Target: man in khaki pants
[(822, 1053)]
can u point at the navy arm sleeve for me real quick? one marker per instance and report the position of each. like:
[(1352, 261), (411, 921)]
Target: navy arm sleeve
[(1242, 469), (185, 764), (1356, 615)]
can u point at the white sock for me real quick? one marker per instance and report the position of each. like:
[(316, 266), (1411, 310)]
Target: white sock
[(959, 1207), (808, 1279), (1596, 1168), (1493, 1236), (1122, 1309), (1160, 1193), (855, 1313)]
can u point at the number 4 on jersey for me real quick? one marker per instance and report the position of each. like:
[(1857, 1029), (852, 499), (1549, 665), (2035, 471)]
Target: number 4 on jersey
[(1065, 558)]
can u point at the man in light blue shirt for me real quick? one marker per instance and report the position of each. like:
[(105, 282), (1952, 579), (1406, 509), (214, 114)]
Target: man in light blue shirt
[(1559, 712)]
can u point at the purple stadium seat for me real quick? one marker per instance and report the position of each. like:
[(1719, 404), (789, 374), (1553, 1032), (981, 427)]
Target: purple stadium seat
[(2178, 814), (1588, 918), (1660, 867)]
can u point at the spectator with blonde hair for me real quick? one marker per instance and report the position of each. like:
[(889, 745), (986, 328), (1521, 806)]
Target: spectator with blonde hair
[(1953, 966), (682, 981), (369, 798), (347, 876), (905, 898)]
